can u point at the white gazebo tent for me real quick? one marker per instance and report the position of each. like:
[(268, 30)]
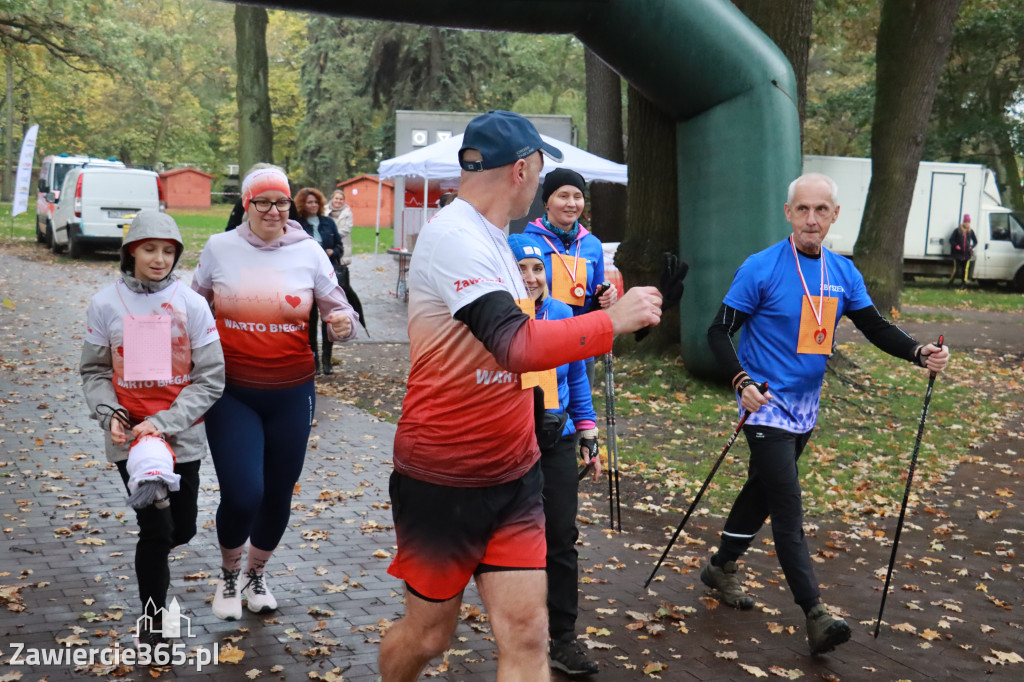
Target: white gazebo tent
[(440, 161)]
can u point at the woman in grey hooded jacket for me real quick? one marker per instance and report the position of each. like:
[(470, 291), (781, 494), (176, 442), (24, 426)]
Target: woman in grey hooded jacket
[(170, 405)]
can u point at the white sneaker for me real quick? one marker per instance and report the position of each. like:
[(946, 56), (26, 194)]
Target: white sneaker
[(257, 594), (227, 601)]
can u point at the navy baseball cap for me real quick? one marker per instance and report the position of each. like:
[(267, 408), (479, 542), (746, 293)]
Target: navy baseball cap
[(502, 137)]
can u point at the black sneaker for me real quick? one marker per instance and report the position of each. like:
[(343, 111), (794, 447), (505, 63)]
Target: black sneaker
[(569, 657)]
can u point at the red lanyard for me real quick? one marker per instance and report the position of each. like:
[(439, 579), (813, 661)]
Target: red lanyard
[(576, 263), (821, 295)]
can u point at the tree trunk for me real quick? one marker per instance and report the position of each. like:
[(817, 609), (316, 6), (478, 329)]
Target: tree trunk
[(8, 183), (255, 132), (914, 37), (788, 23), (604, 138), (653, 207)]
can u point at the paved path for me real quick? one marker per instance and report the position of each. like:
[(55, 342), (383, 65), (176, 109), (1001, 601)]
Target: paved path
[(68, 543)]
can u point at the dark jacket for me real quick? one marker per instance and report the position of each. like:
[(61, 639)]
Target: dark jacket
[(962, 244), (329, 237)]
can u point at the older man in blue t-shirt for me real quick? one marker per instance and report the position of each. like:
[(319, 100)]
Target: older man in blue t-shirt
[(788, 299)]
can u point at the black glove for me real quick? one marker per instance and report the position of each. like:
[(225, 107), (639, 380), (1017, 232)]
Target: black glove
[(588, 444), (671, 287)]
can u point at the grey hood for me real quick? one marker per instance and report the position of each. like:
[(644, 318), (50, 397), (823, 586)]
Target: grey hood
[(150, 224)]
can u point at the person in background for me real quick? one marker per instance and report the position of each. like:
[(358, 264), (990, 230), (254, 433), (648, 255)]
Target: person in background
[(961, 245), (572, 419), (262, 278), (447, 198), (341, 214), (172, 410), (237, 216), (309, 206), (573, 256), (788, 300)]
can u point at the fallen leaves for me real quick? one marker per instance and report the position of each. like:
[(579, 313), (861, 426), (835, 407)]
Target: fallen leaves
[(1002, 657), (229, 653), (753, 670)]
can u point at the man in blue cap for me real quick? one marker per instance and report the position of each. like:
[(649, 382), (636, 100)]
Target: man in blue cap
[(466, 490)]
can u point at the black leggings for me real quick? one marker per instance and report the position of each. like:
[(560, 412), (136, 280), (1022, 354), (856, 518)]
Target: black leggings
[(161, 530), (773, 490), (561, 499)]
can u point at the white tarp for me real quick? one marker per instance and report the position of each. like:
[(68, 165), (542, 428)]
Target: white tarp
[(441, 160), (24, 176)]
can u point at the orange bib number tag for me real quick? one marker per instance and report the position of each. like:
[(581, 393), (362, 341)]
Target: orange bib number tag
[(816, 339), (569, 279), (548, 379)]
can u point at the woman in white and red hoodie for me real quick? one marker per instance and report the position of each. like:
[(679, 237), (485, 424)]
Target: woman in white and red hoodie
[(262, 279)]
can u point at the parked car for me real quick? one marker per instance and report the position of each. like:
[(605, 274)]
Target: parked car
[(95, 203), (52, 172)]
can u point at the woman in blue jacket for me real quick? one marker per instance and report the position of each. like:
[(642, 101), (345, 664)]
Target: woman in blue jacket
[(573, 419), (574, 275), (309, 205)]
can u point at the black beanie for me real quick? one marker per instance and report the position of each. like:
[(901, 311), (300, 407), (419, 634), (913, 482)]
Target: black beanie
[(559, 178)]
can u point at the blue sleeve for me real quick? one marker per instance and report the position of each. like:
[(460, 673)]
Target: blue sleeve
[(598, 268), (581, 401), (745, 292)]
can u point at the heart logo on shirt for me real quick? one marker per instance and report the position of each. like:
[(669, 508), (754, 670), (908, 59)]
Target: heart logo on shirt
[(293, 301)]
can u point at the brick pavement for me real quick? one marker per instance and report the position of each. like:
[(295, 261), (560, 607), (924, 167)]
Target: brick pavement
[(68, 542)]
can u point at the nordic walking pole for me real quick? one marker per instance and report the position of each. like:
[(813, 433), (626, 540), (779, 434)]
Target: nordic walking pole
[(707, 481), (609, 420), (906, 494)]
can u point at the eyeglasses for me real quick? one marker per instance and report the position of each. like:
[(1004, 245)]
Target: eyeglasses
[(263, 205)]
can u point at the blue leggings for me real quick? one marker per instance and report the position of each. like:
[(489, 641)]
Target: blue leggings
[(258, 441)]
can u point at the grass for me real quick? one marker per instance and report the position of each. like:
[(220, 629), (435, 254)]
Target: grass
[(672, 428), (196, 226), (935, 294)]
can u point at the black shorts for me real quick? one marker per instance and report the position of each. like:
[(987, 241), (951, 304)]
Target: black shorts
[(446, 534)]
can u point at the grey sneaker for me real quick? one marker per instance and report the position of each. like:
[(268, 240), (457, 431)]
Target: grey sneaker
[(727, 581), (825, 633), (569, 657)]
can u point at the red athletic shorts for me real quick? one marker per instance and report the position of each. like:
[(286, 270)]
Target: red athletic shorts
[(446, 534)]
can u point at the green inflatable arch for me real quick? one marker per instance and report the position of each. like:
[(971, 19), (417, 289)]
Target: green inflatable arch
[(730, 89)]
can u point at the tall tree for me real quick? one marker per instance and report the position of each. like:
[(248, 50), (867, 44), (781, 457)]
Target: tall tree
[(604, 138), (913, 43), (788, 24), (975, 118), (255, 131), (652, 213)]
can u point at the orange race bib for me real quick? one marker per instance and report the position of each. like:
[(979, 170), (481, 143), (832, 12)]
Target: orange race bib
[(548, 379), (569, 279), (814, 338)]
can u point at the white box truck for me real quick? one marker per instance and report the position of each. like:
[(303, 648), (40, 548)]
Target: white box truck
[(943, 194)]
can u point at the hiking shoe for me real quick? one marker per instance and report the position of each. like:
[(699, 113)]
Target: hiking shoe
[(824, 632), (257, 596), (569, 657), (725, 580), (227, 602)]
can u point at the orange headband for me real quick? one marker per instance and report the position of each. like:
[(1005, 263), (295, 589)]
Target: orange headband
[(264, 180)]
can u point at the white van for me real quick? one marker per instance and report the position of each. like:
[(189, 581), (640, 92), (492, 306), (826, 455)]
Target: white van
[(96, 202), (52, 171)]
